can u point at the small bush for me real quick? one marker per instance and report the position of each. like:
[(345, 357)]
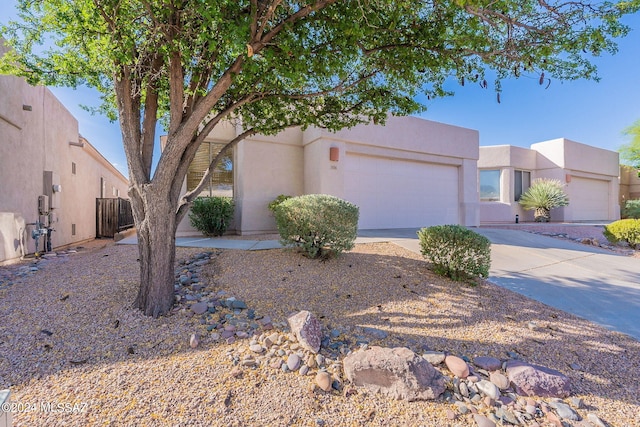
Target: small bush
[(211, 215), (632, 209), (456, 251), (276, 202), (625, 230), (318, 223)]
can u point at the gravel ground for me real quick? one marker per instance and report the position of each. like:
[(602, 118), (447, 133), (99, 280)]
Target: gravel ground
[(70, 337)]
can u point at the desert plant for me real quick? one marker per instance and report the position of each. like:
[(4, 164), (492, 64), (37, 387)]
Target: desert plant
[(211, 215), (318, 223), (456, 252), (273, 205), (632, 209), (625, 230), (544, 195)]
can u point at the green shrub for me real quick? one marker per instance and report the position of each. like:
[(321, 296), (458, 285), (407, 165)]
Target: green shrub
[(625, 230), (632, 209), (276, 202), (211, 215), (318, 223), (456, 252)]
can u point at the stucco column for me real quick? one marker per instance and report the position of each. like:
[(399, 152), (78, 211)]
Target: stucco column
[(469, 196)]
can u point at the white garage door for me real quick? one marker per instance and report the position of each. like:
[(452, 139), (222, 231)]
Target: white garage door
[(401, 194), (589, 199)]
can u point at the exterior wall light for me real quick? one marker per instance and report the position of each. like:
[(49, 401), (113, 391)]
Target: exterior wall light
[(334, 154)]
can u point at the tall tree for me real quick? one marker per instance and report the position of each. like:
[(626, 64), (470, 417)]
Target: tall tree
[(630, 152), (277, 64)]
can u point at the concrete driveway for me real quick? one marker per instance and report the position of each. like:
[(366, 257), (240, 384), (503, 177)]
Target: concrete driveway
[(586, 281)]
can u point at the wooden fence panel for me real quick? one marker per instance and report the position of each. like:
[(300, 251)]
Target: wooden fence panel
[(112, 216)]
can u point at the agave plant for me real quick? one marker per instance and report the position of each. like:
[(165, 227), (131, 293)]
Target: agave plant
[(544, 195)]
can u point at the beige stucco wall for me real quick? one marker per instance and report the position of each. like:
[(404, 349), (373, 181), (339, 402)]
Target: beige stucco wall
[(508, 159), (400, 138), (568, 161), (629, 184), (38, 135)]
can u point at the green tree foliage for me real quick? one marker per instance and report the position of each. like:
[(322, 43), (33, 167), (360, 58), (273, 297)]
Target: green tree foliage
[(275, 64), (631, 209), (544, 195), (630, 152), (320, 224), (456, 252)]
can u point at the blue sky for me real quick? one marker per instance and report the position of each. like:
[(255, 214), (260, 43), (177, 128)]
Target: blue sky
[(589, 112)]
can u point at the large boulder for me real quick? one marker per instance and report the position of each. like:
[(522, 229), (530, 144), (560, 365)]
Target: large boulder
[(533, 380), (307, 329), (395, 372)]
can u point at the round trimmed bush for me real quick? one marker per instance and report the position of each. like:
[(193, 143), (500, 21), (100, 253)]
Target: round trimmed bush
[(320, 224), (625, 230), (456, 252), (211, 215)]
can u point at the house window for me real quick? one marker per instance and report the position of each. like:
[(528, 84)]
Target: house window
[(221, 181), (490, 185), (522, 183), (73, 168)]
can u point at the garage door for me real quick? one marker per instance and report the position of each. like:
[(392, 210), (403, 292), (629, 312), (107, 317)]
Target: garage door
[(589, 199), (401, 194)]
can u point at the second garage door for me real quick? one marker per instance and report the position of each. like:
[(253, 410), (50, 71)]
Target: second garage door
[(401, 194), (589, 199)]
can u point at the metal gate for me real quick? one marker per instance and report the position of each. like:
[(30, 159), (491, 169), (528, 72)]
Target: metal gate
[(113, 216)]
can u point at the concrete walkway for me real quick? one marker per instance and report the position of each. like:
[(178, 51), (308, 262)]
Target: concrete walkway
[(586, 281)]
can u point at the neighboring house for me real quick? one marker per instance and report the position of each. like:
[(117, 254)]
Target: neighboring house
[(41, 153), (590, 175), (409, 173), (629, 184)]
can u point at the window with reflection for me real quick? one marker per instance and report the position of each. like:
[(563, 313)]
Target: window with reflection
[(221, 181), (490, 185)]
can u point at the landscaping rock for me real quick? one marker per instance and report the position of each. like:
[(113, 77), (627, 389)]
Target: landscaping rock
[(293, 362), (487, 363), (434, 357), (395, 372), (457, 366), (323, 380), (489, 389), (307, 329), (199, 307), (564, 411), (482, 421), (500, 380), (533, 380)]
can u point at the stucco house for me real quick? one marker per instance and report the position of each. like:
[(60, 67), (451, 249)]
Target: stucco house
[(410, 172), (590, 176), (629, 184), (42, 154)]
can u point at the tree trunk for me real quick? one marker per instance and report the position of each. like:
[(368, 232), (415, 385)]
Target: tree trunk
[(156, 228), (542, 215)]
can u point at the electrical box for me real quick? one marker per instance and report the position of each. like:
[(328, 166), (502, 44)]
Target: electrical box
[(43, 205), (52, 188)]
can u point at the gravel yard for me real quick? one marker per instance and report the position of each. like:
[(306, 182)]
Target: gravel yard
[(69, 337)]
